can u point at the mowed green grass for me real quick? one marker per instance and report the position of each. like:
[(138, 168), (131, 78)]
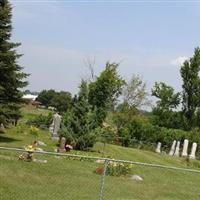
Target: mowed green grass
[(61, 178)]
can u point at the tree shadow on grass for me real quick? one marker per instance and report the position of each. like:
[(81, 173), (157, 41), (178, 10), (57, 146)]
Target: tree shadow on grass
[(7, 139)]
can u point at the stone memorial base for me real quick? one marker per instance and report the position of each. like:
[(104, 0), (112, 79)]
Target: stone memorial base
[(61, 150), (55, 137)]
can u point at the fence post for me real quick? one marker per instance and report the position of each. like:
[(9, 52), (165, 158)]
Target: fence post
[(101, 195)]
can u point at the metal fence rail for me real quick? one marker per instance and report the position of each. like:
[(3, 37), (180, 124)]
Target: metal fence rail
[(75, 174)]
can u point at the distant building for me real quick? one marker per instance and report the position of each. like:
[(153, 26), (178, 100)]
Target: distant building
[(29, 97)]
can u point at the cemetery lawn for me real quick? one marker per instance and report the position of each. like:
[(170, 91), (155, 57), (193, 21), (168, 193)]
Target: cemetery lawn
[(62, 178)]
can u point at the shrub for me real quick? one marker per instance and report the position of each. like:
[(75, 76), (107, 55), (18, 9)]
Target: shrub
[(82, 142), (118, 169), (34, 131), (139, 132), (41, 121), (85, 142), (115, 169)]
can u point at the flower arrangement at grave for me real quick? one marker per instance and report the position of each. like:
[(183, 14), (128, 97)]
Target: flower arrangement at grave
[(115, 169), (68, 147), (29, 155)]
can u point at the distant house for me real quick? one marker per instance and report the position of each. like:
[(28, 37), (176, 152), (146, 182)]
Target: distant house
[(29, 97)]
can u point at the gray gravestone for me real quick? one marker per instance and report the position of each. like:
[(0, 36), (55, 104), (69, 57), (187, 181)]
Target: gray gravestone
[(185, 148), (55, 126), (177, 150), (172, 150), (2, 128), (158, 149), (193, 151)]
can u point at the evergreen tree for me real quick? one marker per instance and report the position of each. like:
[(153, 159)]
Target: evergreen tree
[(191, 88), (79, 121), (81, 110), (11, 78)]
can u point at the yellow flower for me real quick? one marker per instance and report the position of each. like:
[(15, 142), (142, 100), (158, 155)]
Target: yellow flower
[(30, 148)]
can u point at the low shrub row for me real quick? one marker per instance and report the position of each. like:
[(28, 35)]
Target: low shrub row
[(145, 134)]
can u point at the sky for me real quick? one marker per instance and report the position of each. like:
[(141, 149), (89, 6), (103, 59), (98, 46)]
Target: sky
[(147, 38)]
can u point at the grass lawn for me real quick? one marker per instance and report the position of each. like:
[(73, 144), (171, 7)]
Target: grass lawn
[(61, 178)]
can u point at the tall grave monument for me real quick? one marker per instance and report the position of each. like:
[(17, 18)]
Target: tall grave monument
[(55, 126)]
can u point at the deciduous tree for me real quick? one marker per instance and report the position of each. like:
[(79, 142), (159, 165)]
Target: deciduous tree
[(104, 91), (191, 88)]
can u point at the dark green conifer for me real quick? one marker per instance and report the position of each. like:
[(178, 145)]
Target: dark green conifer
[(11, 75)]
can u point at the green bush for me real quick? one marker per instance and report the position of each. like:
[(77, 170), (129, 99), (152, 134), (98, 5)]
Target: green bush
[(85, 142), (41, 121), (138, 132)]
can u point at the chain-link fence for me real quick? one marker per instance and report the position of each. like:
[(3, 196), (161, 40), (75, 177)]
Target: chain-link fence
[(56, 176)]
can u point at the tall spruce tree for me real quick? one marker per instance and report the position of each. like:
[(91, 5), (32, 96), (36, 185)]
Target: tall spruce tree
[(191, 88), (12, 77), (79, 120)]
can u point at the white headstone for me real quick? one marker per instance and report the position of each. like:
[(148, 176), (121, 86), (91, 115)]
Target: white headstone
[(172, 150), (185, 148), (193, 151), (158, 149), (176, 153)]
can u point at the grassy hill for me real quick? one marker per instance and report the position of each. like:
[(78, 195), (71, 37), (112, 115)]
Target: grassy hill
[(64, 178)]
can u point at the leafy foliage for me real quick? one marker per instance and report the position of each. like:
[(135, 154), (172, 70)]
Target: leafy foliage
[(41, 121), (135, 94), (164, 112), (104, 92), (191, 88), (168, 100), (60, 100)]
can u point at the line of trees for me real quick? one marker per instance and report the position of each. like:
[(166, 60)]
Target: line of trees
[(181, 109), (61, 101)]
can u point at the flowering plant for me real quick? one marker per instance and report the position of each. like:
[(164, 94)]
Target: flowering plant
[(30, 148), (34, 130), (29, 156), (115, 169), (68, 147), (118, 169)]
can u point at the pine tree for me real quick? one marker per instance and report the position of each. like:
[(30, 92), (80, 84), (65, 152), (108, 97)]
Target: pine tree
[(81, 109), (78, 121), (11, 78)]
